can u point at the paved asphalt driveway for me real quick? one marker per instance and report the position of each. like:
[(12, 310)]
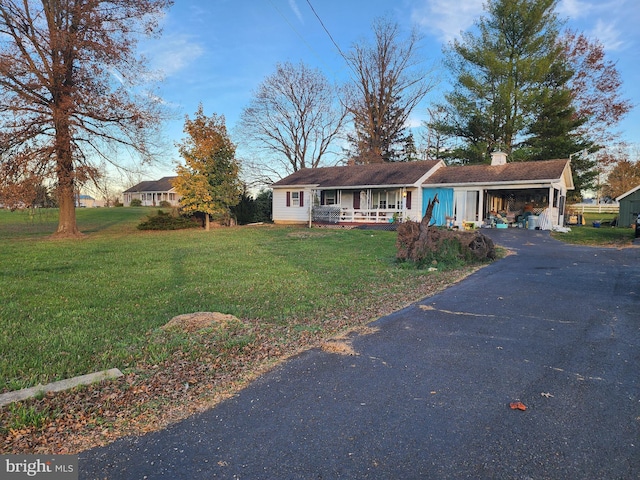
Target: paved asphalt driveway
[(556, 327)]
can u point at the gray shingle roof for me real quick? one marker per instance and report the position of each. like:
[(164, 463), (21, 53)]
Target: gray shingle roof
[(400, 173), (543, 170), (163, 185)]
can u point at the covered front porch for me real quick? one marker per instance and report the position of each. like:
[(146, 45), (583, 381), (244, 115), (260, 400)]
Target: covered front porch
[(361, 206)]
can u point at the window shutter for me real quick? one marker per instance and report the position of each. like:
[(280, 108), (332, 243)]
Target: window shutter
[(288, 199), (302, 198), (356, 200), (408, 201)]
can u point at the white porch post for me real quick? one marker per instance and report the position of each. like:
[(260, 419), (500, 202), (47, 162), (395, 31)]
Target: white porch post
[(312, 196), (404, 202), (550, 206)]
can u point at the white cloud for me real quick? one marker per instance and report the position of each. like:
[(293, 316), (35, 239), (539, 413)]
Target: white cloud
[(296, 10), (114, 73), (609, 35), (574, 8), (601, 19), (607, 21), (413, 122), (446, 19), (171, 54)]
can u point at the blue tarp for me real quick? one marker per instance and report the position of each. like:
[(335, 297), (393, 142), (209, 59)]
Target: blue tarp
[(442, 209)]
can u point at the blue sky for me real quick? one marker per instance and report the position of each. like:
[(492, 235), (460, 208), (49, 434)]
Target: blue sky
[(218, 52)]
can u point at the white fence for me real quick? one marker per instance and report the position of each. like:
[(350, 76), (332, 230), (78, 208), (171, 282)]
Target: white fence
[(591, 208)]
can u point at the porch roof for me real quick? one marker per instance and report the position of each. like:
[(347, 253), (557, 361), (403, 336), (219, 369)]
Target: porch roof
[(372, 175), (543, 171)]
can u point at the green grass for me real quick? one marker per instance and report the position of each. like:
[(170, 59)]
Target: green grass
[(69, 307), (604, 236), (41, 223)]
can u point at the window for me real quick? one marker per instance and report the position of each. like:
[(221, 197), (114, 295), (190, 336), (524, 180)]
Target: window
[(295, 199), (391, 197), (329, 197)]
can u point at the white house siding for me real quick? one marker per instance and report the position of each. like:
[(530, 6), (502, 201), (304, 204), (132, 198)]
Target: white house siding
[(293, 214), (415, 212)]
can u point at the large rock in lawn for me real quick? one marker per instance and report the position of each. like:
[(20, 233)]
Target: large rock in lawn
[(192, 322)]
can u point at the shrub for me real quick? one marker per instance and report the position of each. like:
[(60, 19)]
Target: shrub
[(166, 221), (165, 204), (136, 202)]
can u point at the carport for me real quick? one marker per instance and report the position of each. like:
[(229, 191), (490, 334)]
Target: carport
[(477, 193)]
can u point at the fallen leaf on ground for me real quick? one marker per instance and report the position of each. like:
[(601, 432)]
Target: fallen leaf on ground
[(518, 406)]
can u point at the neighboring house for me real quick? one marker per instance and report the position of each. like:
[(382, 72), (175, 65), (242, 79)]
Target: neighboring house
[(384, 192), (151, 193), (374, 193), (629, 207), (87, 201)]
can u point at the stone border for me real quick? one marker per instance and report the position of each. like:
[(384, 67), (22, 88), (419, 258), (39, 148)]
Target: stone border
[(59, 386)]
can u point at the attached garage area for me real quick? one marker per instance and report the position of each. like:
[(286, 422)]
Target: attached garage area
[(515, 203), (458, 206), (501, 193)]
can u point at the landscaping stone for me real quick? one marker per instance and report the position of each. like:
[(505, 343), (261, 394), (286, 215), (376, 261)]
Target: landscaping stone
[(59, 386)]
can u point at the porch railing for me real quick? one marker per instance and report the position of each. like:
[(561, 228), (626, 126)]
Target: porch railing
[(336, 214)]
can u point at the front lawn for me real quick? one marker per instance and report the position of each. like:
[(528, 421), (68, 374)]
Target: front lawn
[(72, 307)]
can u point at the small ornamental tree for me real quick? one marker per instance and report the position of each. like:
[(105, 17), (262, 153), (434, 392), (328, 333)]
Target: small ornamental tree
[(208, 182)]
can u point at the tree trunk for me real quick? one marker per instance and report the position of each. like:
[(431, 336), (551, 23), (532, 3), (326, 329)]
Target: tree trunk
[(207, 222), (423, 239), (67, 226)]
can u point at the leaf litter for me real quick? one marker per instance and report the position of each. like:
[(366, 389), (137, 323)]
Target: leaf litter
[(221, 358)]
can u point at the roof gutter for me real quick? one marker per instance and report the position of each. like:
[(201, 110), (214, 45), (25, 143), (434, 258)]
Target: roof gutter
[(536, 184), (347, 187)]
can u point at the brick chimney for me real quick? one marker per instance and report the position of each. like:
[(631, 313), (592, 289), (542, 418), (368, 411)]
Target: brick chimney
[(498, 158)]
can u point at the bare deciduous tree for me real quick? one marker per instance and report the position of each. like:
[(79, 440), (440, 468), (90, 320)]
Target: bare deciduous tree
[(68, 78), (436, 141), (293, 118), (388, 83)]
